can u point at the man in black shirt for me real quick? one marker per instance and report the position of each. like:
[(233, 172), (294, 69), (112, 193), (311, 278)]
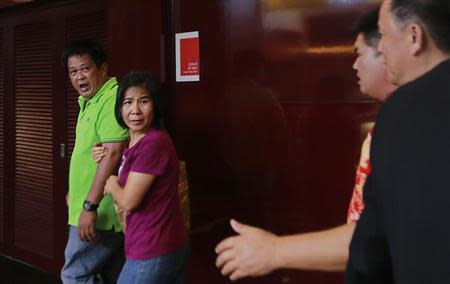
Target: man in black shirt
[(403, 235)]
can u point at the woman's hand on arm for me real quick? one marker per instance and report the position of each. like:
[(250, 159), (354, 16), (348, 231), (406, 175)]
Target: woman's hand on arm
[(129, 198), (111, 184), (98, 152)]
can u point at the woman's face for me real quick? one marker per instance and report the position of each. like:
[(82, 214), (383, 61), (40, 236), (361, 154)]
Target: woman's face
[(137, 110)]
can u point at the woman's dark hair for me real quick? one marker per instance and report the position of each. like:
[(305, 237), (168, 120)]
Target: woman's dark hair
[(146, 81)]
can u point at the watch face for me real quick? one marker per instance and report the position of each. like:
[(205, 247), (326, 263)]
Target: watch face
[(88, 206)]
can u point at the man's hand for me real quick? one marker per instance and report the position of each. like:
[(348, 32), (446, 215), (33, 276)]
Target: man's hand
[(251, 253), (86, 226)]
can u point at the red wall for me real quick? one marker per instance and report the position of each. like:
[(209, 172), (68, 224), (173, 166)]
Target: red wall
[(134, 34)]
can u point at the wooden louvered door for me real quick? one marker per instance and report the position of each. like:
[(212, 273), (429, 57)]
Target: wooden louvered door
[(38, 111), (2, 94), (33, 194)]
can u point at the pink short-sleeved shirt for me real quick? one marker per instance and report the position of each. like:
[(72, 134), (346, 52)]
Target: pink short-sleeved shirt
[(156, 227)]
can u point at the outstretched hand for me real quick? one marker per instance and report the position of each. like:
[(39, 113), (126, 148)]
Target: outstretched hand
[(250, 253)]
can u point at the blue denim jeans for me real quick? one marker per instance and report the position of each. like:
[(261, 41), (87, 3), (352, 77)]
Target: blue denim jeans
[(93, 263), (166, 269)]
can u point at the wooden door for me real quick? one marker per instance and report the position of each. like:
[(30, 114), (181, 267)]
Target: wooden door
[(38, 110)]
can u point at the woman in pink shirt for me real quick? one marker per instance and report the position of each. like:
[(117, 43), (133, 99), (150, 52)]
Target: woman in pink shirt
[(156, 242)]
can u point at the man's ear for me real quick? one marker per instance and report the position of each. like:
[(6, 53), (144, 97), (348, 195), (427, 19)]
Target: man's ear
[(416, 38), (104, 68)]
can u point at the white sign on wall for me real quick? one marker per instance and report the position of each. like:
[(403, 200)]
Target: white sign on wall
[(187, 57)]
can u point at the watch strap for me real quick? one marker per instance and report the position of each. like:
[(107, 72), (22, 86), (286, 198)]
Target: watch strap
[(89, 206)]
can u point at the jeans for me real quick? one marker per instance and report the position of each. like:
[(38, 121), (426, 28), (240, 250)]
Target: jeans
[(93, 263), (166, 269)]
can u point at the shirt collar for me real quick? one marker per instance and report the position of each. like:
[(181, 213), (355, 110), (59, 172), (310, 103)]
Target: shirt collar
[(108, 85)]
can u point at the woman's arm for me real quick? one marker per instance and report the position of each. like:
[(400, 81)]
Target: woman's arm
[(129, 198)]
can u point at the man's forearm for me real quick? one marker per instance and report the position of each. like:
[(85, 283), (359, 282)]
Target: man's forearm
[(325, 250), (105, 168)]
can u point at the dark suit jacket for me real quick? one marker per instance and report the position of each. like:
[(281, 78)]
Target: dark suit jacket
[(403, 235)]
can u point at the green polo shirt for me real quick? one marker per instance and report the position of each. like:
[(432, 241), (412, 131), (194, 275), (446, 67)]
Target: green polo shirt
[(96, 123)]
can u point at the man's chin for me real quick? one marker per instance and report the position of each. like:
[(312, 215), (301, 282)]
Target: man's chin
[(362, 89), (86, 95)]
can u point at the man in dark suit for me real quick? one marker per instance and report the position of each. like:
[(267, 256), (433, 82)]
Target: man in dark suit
[(403, 235)]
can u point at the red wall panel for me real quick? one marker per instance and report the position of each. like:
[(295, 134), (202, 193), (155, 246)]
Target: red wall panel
[(134, 31), (2, 121), (272, 131)]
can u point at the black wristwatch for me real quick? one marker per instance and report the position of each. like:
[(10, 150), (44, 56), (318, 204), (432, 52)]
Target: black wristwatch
[(89, 206)]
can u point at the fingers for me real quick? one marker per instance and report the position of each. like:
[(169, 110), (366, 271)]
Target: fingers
[(97, 159), (110, 184), (82, 233), (86, 226), (237, 274), (91, 233), (224, 245), (226, 262), (229, 268), (225, 254), (232, 259), (98, 152), (235, 225), (107, 188), (86, 233), (229, 264), (111, 178), (239, 227)]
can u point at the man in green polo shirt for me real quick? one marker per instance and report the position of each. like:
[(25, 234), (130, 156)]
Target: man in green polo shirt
[(94, 251)]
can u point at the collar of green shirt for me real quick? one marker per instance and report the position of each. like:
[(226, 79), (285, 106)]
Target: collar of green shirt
[(111, 83)]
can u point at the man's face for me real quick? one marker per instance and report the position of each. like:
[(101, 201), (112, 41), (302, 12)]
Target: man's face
[(393, 45), (370, 70), (84, 75)]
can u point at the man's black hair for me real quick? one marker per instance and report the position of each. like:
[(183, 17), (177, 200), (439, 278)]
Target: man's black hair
[(367, 25), (87, 46), (433, 14)]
